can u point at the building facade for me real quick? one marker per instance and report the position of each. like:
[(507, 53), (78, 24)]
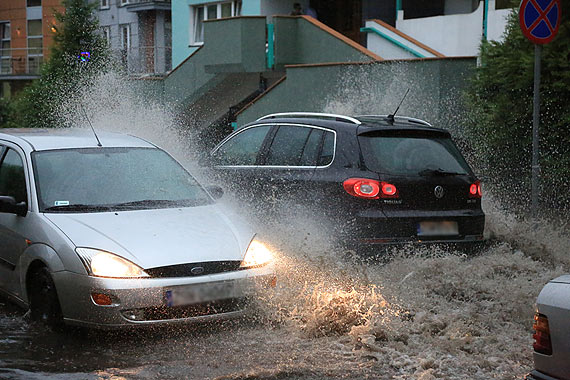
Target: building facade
[(443, 27), (139, 33), (27, 28)]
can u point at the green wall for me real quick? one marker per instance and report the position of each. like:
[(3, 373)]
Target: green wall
[(298, 41), (373, 88), (231, 46)]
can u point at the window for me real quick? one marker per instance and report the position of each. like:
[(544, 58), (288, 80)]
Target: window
[(34, 3), (125, 30), (106, 31), (12, 177), (309, 157), (104, 4), (327, 154), (287, 146), (124, 2), (211, 12), (5, 51), (243, 148), (35, 45), (411, 154)]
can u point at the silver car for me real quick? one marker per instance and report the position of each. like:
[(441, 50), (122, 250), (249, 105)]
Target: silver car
[(117, 233), (552, 332)]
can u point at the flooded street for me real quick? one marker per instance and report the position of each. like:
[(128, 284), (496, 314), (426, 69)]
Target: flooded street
[(426, 314)]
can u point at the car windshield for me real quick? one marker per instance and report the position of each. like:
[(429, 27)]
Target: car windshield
[(104, 179), (412, 155)]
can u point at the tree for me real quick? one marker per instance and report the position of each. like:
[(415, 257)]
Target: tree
[(500, 100), (67, 69)]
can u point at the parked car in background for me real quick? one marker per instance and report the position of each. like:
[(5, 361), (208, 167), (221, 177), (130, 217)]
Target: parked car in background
[(117, 234), (552, 332), (382, 179)]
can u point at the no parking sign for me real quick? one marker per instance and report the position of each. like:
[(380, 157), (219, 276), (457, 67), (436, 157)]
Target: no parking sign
[(540, 19)]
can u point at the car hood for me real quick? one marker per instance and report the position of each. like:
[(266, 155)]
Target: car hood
[(159, 237), (564, 279)]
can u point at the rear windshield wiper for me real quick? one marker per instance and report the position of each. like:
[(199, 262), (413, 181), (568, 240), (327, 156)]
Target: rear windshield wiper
[(438, 172), (77, 208)]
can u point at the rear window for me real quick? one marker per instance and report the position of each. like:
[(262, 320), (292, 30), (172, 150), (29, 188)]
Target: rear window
[(410, 155)]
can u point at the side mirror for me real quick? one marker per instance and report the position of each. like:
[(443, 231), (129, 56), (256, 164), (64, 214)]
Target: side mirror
[(215, 191), (8, 204)]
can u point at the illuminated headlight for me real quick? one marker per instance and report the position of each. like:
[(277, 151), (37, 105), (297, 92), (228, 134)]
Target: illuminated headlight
[(257, 255), (105, 264)]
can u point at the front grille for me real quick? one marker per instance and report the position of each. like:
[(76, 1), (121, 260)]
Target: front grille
[(185, 270), (194, 310)]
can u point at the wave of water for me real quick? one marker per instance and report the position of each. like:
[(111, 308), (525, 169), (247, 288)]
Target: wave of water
[(427, 313)]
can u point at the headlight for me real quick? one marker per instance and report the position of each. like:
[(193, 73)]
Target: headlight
[(257, 255), (106, 264)]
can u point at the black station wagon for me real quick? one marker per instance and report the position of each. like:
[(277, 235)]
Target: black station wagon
[(381, 179)]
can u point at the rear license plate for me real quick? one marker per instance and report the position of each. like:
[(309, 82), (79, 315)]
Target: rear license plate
[(433, 228), (187, 295)]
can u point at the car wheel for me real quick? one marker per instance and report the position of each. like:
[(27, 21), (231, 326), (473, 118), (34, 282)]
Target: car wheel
[(44, 304)]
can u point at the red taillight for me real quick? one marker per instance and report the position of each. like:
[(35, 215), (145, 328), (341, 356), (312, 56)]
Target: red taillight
[(369, 188), (362, 187), (541, 335), (475, 190), (388, 190)]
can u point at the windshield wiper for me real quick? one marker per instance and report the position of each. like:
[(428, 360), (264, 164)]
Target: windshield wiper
[(77, 208), (438, 172), (158, 203)]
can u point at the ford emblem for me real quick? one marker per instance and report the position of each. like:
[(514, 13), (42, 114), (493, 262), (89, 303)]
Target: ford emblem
[(438, 192), (197, 270)]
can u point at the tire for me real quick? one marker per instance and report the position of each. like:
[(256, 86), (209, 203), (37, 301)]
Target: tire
[(44, 303)]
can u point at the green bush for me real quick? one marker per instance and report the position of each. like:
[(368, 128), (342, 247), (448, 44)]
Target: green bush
[(500, 101)]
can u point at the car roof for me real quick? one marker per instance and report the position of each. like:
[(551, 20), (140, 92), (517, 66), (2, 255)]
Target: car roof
[(366, 123), (70, 138)]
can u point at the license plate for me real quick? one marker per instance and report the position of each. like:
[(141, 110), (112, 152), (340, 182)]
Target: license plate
[(187, 295), (433, 228)]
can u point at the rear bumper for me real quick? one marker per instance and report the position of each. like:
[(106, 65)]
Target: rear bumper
[(143, 302), (537, 375), (401, 227)]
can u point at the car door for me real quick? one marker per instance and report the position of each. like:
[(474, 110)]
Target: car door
[(289, 162), (12, 227), (234, 161)]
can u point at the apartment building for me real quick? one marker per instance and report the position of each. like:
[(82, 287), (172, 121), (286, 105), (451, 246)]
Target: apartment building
[(27, 28), (139, 33)]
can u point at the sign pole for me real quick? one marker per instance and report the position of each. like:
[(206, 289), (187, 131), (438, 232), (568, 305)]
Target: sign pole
[(535, 134)]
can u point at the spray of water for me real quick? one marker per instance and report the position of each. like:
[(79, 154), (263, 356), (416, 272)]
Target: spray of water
[(428, 313)]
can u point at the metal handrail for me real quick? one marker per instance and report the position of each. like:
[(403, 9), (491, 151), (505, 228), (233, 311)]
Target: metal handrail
[(412, 119), (312, 114)]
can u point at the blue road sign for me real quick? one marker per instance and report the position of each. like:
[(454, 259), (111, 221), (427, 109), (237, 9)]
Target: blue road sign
[(540, 19)]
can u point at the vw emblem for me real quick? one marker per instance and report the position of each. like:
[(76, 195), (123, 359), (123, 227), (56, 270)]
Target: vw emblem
[(197, 270), (438, 192)]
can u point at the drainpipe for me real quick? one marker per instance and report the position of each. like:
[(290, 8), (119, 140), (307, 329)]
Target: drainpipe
[(398, 8), (485, 19), (270, 45)]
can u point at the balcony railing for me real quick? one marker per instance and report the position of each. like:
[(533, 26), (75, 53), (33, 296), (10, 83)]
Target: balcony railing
[(147, 5), (147, 1), (136, 61), (21, 61)]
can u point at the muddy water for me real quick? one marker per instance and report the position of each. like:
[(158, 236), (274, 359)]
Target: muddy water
[(426, 314)]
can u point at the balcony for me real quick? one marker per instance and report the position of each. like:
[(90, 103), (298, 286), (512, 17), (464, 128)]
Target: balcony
[(21, 63), (148, 5)]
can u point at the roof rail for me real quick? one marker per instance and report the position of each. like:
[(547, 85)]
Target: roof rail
[(404, 118), (315, 115)]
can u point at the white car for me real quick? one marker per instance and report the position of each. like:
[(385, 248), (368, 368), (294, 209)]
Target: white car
[(552, 332), (112, 231)]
